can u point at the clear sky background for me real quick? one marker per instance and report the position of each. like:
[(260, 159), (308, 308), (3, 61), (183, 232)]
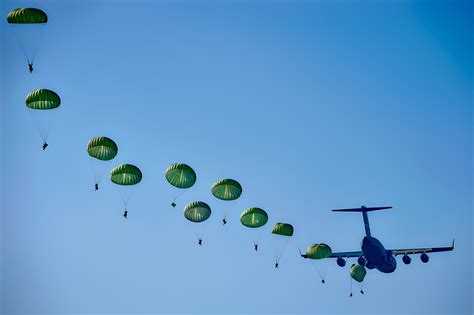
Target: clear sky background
[(310, 105)]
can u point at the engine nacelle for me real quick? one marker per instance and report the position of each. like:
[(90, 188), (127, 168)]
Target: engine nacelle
[(341, 262), (424, 258), (406, 259), (361, 261)]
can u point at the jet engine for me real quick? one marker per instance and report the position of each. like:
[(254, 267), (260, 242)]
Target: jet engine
[(424, 258), (406, 259), (341, 262), (361, 261)]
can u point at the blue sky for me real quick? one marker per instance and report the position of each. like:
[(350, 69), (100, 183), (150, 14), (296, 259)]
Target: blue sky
[(311, 105)]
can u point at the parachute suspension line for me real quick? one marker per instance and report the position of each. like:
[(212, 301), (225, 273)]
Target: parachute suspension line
[(125, 196), (321, 273), (277, 259), (36, 48), (22, 47), (260, 233), (49, 126), (279, 254), (46, 133), (176, 197), (229, 209), (97, 171), (200, 233), (275, 250), (127, 199), (43, 134), (204, 227), (43, 124), (91, 163)]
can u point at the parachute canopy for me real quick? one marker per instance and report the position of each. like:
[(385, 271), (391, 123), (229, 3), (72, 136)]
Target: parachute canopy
[(180, 175), (319, 251), (283, 229), (254, 217), (197, 211), (42, 99), (102, 148), (126, 174), (27, 16), (226, 189), (358, 272)]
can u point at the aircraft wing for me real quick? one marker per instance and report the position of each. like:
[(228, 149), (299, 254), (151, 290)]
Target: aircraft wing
[(346, 254), (408, 251)]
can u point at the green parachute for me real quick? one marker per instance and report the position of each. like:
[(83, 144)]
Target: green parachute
[(197, 211), (283, 229), (125, 176), (319, 251), (43, 99), (254, 218), (41, 105), (100, 149), (358, 272), (228, 190), (27, 16), (28, 24), (281, 235), (181, 176)]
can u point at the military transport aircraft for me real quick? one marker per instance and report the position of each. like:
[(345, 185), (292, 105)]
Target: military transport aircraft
[(374, 255)]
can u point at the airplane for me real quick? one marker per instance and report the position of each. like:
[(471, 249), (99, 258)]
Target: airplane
[(374, 255)]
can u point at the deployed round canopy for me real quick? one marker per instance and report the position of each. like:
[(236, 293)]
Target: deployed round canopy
[(126, 174), (102, 148), (358, 272), (254, 217), (319, 251), (27, 16), (42, 99), (197, 211), (180, 175), (226, 189), (283, 229)]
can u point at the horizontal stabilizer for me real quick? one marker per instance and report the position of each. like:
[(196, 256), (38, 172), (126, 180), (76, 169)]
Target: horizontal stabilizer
[(362, 209)]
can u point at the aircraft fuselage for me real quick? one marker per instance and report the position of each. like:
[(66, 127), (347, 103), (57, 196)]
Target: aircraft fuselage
[(377, 256)]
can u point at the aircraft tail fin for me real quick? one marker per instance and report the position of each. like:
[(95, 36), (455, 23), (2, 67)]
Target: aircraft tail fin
[(362, 209)]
